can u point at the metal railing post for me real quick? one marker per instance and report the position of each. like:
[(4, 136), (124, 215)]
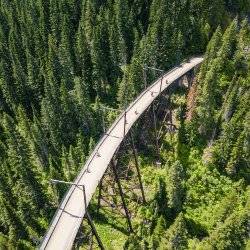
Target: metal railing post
[(89, 219)]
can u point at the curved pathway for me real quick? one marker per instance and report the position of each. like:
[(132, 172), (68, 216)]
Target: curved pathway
[(68, 218)]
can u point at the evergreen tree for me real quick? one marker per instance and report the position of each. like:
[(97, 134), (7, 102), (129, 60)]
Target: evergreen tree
[(211, 52), (66, 55), (175, 189), (161, 199), (61, 61), (176, 235), (51, 115), (84, 59), (54, 67), (125, 24), (22, 177), (230, 234), (83, 105)]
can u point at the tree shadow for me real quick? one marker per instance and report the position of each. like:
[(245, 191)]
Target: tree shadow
[(102, 218)]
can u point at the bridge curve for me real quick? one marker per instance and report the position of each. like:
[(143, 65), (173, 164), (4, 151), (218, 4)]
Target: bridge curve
[(69, 215)]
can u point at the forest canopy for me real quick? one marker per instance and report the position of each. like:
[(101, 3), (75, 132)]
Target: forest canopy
[(61, 60)]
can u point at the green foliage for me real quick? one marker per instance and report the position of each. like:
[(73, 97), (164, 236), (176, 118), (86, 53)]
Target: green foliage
[(202, 199), (62, 60), (176, 236), (175, 188)]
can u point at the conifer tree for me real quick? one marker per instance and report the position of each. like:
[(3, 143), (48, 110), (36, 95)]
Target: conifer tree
[(8, 216), (231, 233), (34, 80), (84, 59), (228, 48), (124, 23), (22, 177), (54, 67), (175, 189), (104, 76), (159, 232), (6, 73), (66, 55), (176, 235), (161, 199), (211, 52), (51, 115), (68, 116), (55, 19), (114, 38), (126, 90), (207, 101), (40, 147), (83, 105)]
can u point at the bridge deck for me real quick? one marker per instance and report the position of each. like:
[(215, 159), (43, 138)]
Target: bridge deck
[(68, 217)]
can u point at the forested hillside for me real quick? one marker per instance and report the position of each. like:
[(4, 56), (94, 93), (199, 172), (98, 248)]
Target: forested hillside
[(61, 61), (202, 193)]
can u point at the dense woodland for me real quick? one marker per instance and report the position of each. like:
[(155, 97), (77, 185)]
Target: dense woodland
[(62, 61), (202, 193)]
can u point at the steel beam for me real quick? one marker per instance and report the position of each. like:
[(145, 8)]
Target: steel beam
[(137, 167), (155, 131), (93, 229), (113, 166)]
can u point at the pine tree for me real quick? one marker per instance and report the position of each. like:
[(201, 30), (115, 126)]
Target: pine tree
[(114, 38), (207, 101), (34, 80), (66, 166), (84, 59), (126, 90), (228, 48), (125, 24), (8, 215), (53, 65), (83, 105), (175, 189), (161, 199), (51, 115), (211, 52), (22, 177), (67, 54), (231, 233), (176, 235), (55, 19), (68, 116), (6, 73), (41, 144), (159, 232), (89, 13)]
